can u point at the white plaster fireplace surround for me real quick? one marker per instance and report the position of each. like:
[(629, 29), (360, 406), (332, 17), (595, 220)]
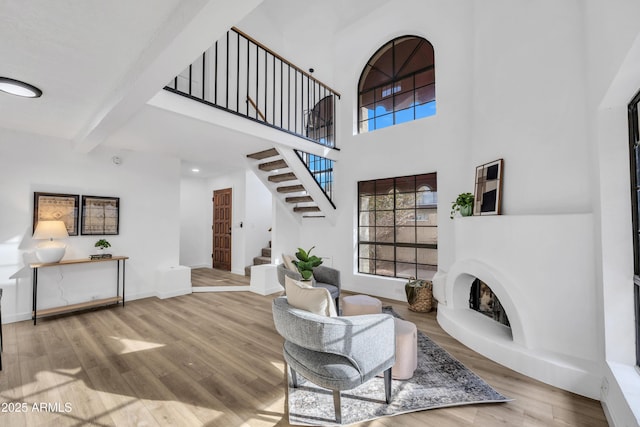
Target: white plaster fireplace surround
[(541, 269)]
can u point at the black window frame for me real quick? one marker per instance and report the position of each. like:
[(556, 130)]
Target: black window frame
[(392, 84), (376, 245), (634, 160)]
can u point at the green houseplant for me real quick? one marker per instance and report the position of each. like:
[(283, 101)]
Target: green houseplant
[(102, 244), (463, 204), (306, 262)]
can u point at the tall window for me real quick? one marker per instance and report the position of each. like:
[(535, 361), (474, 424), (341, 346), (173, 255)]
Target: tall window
[(634, 149), (397, 85), (398, 226)]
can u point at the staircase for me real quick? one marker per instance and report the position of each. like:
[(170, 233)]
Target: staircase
[(291, 182), (264, 258)]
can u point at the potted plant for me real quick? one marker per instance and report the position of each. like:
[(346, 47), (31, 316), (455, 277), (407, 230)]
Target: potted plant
[(463, 204), (102, 244), (306, 262)]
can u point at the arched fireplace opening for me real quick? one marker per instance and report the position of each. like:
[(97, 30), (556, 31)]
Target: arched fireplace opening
[(484, 301)]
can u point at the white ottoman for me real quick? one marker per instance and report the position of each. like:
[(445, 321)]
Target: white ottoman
[(353, 305), (406, 350)]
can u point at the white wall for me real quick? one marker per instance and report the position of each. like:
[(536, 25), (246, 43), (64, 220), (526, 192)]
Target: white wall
[(613, 59), (258, 218), (148, 187), (195, 222)]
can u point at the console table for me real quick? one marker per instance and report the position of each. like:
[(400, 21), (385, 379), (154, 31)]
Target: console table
[(89, 304)]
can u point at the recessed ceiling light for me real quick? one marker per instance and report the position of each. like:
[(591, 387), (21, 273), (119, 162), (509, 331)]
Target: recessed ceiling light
[(195, 170), (16, 87)]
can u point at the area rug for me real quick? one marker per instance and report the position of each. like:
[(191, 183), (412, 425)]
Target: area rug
[(439, 381)]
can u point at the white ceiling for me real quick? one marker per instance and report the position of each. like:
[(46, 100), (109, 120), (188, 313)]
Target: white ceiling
[(98, 63)]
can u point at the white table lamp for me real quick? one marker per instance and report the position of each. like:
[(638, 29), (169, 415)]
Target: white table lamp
[(50, 250)]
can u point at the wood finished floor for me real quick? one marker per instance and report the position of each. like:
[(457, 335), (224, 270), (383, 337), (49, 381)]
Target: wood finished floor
[(215, 277), (214, 359)]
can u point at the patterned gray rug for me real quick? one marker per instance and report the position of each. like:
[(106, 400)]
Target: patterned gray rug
[(439, 381)]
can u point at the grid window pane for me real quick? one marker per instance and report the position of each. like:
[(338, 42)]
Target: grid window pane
[(426, 270), (386, 253), (384, 202), (406, 217), (367, 203), (384, 234), (427, 256), (406, 255), (367, 219), (405, 234), (409, 80), (366, 233), (384, 121), (426, 217), (367, 266), (399, 238), (405, 200), (385, 268), (426, 110), (405, 270), (405, 115), (384, 218), (367, 251), (427, 235), (403, 101)]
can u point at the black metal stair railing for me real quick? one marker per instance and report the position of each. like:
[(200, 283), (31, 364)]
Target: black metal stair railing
[(322, 171), (242, 76)]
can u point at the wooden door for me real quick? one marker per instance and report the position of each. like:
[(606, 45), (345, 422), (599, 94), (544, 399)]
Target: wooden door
[(222, 202)]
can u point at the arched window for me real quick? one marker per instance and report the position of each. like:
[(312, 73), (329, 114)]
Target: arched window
[(397, 85)]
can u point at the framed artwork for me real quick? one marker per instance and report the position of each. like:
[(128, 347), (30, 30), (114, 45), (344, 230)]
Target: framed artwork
[(100, 215), (56, 207), (488, 188)]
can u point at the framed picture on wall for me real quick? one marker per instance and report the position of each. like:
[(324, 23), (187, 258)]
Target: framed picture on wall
[(488, 188), (56, 207), (100, 215)]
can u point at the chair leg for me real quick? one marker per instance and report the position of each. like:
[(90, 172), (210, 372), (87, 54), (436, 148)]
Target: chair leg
[(336, 405), (338, 306), (294, 377), (387, 385)]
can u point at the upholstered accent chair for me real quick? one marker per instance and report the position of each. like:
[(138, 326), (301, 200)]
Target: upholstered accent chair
[(337, 353), (323, 277)]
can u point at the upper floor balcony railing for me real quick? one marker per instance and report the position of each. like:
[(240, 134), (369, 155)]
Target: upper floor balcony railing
[(242, 76)]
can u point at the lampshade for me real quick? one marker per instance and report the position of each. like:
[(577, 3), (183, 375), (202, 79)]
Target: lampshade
[(49, 230), (50, 251)]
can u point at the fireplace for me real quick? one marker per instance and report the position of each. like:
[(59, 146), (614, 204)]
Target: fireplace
[(552, 311), (484, 301)]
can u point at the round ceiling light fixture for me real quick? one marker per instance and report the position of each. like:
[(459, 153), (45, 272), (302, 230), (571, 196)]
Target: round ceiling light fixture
[(16, 87)]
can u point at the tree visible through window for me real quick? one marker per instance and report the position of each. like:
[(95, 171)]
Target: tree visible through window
[(397, 226), (397, 85)]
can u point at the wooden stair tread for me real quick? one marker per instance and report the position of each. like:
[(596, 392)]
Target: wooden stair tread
[(290, 189), (289, 176), (263, 154), (276, 164), (299, 199), (306, 209)]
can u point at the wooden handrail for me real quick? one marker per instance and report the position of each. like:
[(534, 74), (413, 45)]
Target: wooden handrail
[(257, 43), (253, 104)]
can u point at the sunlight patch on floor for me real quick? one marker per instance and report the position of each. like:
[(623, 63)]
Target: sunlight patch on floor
[(131, 346)]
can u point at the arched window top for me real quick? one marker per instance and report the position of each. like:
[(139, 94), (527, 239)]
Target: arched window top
[(397, 84)]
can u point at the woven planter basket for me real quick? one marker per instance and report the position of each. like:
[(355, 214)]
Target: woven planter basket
[(423, 296)]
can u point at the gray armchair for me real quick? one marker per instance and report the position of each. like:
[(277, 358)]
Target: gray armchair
[(323, 276), (338, 353)]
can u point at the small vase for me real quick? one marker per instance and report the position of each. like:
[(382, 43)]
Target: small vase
[(466, 210)]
